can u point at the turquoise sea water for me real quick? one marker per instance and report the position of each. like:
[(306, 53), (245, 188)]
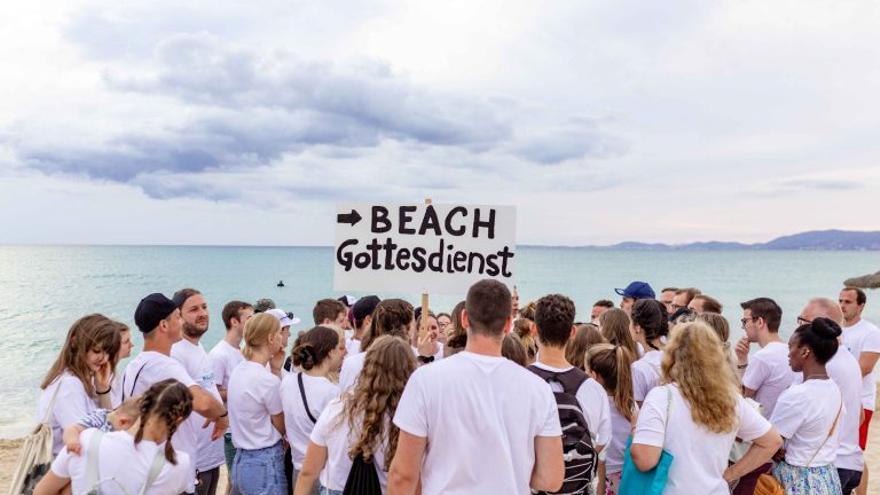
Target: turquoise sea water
[(43, 289)]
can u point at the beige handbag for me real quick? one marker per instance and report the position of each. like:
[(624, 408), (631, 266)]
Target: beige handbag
[(35, 457)]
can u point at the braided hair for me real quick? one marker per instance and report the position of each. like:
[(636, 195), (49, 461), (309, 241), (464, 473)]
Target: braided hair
[(171, 402)]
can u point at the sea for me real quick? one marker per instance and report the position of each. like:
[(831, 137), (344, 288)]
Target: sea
[(44, 289)]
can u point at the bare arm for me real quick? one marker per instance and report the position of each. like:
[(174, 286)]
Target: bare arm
[(867, 361), (405, 473), (222, 392), (645, 457), (759, 453), (748, 393), (316, 457), (549, 471), (206, 404), (51, 484), (278, 423)]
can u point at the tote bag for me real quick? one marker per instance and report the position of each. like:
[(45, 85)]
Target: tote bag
[(652, 482), (36, 455)]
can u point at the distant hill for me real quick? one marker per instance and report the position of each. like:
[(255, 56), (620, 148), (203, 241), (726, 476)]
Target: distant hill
[(817, 240)]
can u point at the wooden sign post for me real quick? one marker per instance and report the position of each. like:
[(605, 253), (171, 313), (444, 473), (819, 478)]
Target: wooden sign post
[(423, 326)]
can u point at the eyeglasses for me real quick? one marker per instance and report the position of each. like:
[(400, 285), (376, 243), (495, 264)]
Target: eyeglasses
[(746, 320), (803, 321)]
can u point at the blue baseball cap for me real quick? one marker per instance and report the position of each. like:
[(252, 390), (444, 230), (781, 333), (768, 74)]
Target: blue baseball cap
[(637, 290)]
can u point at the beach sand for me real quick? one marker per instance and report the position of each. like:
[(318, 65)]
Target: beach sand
[(9, 454)]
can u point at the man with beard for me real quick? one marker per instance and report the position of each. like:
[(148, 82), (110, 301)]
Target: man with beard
[(190, 353)]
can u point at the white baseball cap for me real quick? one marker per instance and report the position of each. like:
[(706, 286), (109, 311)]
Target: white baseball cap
[(286, 319)]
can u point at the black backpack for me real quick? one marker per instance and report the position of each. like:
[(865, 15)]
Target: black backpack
[(581, 459), (362, 479)]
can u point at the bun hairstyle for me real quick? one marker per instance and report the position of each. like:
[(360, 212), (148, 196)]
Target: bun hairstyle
[(171, 401), (314, 346), (651, 316), (257, 331), (391, 317), (820, 336)]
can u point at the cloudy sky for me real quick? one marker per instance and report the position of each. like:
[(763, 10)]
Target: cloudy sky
[(225, 123)]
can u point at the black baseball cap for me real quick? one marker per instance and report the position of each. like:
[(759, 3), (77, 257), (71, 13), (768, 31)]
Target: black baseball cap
[(151, 310), (364, 307)]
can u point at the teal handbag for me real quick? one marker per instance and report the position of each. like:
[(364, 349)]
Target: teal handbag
[(652, 482)]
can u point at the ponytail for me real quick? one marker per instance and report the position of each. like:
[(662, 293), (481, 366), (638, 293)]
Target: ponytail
[(612, 363)]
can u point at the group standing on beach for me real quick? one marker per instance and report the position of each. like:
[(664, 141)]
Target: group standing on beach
[(379, 397)]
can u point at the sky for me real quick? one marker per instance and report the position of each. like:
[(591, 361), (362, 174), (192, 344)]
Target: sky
[(241, 123)]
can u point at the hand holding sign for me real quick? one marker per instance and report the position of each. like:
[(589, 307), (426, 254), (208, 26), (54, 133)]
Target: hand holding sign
[(422, 248)]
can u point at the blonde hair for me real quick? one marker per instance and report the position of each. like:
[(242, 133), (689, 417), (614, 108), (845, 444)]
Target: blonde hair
[(612, 363), (371, 405), (257, 332), (694, 360)]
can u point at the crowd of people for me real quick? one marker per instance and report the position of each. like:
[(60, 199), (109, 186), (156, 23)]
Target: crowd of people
[(490, 397)]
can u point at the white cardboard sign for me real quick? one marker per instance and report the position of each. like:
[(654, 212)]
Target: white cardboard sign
[(419, 248)]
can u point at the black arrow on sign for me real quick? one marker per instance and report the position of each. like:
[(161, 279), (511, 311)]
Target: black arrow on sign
[(350, 218)]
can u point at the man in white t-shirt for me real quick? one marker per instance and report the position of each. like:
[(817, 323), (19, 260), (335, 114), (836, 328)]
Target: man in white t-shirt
[(477, 422), (190, 353), (862, 338), (844, 370), (554, 323), (225, 356), (767, 374), (158, 318)]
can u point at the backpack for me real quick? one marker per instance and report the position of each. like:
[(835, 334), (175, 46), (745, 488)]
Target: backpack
[(93, 472), (581, 459), (362, 479)]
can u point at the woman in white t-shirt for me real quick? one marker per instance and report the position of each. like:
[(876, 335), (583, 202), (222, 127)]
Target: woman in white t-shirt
[(79, 380), (649, 326), (391, 317), (319, 352), (427, 348), (807, 414), (358, 424), (126, 462), (695, 417), (256, 417), (610, 366)]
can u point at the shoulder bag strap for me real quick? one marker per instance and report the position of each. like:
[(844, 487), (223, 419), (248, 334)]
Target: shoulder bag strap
[(134, 384), (52, 402), (302, 393), (668, 410), (155, 469), (830, 432), (93, 471)]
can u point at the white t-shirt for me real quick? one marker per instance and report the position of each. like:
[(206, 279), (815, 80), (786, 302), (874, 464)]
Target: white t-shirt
[(319, 391), (481, 416), (352, 346), (594, 403), (209, 453), (805, 422), (646, 373), (254, 396), (864, 336), (845, 372), (224, 358), (121, 460), (71, 404), (700, 456), (768, 374), (151, 367), (620, 431), (332, 432), (438, 351), (351, 368)]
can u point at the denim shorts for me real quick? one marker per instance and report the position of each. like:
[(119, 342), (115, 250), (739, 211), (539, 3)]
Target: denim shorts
[(260, 471), (327, 491)]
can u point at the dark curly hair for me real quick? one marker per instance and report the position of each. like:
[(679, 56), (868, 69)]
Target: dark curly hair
[(554, 317), (391, 317)]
